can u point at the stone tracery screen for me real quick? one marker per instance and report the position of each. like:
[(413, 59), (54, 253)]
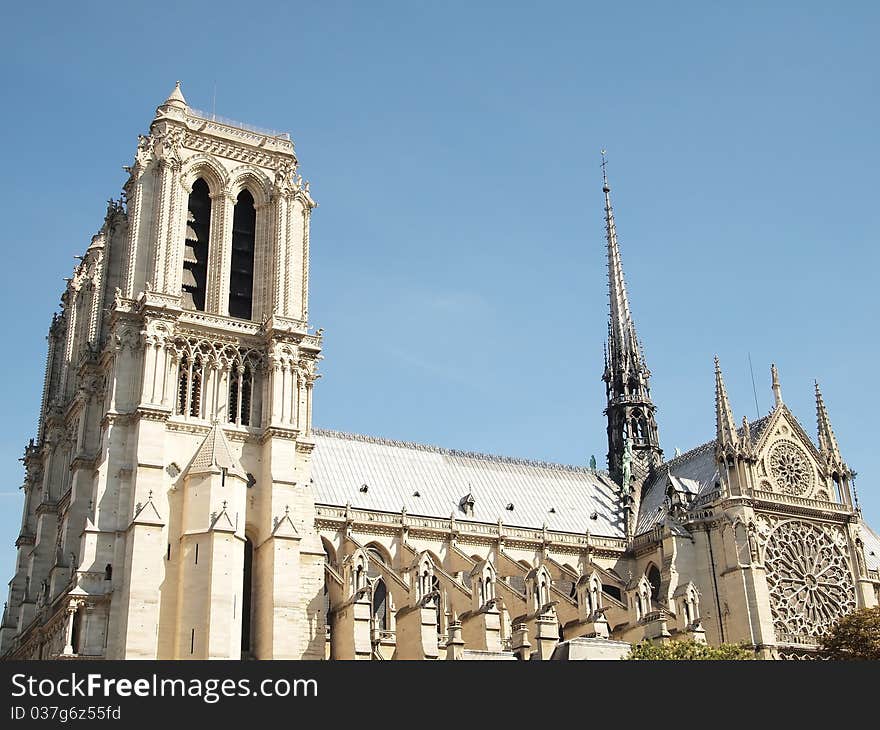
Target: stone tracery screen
[(810, 580), (791, 469)]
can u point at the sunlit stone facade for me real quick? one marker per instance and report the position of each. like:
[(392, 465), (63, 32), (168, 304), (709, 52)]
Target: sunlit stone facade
[(178, 503)]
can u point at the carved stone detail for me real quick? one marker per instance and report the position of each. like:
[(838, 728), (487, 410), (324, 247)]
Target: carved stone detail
[(791, 469), (809, 579)]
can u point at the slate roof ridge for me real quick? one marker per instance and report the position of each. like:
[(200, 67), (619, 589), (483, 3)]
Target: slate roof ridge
[(756, 427), (457, 452)]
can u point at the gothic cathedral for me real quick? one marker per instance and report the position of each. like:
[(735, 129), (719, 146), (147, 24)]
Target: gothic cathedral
[(178, 503)]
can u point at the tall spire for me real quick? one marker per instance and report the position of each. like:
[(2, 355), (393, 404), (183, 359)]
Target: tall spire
[(623, 342), (630, 411), (724, 424)]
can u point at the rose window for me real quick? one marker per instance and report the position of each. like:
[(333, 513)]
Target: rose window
[(809, 579), (790, 468)]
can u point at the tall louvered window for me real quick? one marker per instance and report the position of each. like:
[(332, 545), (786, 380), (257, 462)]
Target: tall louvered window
[(195, 255), (241, 380), (241, 278), (189, 386), (654, 580)]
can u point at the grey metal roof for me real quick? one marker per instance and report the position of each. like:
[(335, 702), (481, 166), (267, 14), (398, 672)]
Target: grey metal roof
[(697, 467), (871, 541), (695, 470), (394, 471)]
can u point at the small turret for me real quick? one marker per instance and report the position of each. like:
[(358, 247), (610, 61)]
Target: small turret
[(176, 98), (726, 438), (829, 451), (828, 446), (733, 450)]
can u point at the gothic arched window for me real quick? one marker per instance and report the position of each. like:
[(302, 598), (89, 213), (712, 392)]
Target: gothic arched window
[(438, 611), (241, 381), (195, 389), (380, 605), (195, 254), (182, 385), (76, 631), (653, 575), (241, 276), (189, 386), (639, 428), (838, 487), (612, 591)]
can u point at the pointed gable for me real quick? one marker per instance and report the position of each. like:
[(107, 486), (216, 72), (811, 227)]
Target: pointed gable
[(284, 526), (222, 522), (147, 514)]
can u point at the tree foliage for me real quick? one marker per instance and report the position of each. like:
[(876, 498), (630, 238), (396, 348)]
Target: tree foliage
[(854, 636), (688, 650)]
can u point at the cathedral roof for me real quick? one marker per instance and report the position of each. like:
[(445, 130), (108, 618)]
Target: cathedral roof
[(871, 541), (434, 482), (695, 472)]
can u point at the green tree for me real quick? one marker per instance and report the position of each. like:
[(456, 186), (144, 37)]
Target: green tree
[(854, 636), (688, 650)]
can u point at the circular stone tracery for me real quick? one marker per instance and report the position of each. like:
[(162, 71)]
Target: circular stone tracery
[(809, 579), (790, 468)]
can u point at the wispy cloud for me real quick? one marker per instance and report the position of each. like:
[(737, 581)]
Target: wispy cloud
[(449, 301), (456, 302), (437, 368)]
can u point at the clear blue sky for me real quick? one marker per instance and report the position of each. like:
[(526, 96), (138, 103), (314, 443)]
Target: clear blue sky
[(457, 254)]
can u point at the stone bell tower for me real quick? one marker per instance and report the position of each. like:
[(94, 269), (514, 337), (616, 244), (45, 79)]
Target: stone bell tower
[(181, 490)]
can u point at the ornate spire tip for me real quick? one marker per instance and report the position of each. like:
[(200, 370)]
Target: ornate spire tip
[(605, 187)]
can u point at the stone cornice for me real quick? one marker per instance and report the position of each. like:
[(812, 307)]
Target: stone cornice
[(788, 504), (277, 325), (289, 434), (112, 418), (194, 321), (231, 431), (46, 508), (311, 343), (374, 522), (83, 461), (153, 413), (236, 140), (157, 302), (172, 424)]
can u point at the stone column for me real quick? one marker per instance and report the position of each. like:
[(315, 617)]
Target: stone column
[(220, 253), (454, 644), (546, 635), (68, 628), (305, 264), (520, 642)]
